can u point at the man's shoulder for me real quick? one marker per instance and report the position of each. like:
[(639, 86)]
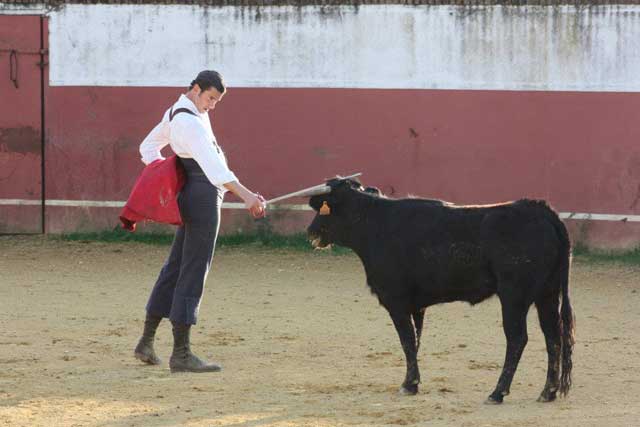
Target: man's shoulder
[(183, 116), (188, 125), (180, 113)]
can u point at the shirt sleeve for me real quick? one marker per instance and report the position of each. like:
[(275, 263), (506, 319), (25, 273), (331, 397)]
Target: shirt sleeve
[(151, 146), (191, 134)]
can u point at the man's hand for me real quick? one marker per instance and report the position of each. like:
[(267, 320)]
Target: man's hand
[(256, 204)]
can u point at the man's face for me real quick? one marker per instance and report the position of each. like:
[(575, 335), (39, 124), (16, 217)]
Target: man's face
[(207, 100)]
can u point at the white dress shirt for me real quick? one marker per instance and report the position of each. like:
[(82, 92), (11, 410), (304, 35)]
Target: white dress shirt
[(191, 137)]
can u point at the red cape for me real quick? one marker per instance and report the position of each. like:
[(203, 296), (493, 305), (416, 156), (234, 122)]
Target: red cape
[(154, 195)]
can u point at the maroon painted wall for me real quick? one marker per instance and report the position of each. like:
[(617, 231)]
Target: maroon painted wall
[(578, 150), (20, 123)]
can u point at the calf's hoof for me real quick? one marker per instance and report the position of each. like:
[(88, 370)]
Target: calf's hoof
[(494, 399), (409, 390), (547, 396)]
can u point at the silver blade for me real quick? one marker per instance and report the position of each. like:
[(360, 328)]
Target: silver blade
[(309, 191)]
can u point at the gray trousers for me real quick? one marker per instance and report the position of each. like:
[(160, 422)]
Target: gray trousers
[(178, 291)]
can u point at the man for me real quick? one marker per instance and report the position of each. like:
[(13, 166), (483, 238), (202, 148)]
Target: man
[(178, 290)]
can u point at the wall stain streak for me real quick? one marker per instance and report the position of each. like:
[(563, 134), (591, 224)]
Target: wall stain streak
[(21, 140)]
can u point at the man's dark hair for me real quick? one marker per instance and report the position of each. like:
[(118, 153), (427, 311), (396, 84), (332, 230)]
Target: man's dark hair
[(207, 79)]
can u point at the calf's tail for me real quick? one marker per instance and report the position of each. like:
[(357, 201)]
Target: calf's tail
[(568, 334), (567, 318)]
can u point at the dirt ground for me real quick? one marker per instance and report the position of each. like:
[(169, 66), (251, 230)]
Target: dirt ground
[(302, 342)]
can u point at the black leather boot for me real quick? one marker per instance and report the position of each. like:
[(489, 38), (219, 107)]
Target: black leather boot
[(182, 360), (144, 350)]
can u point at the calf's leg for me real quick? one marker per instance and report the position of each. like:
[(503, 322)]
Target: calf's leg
[(418, 319), (549, 315), (514, 323), (407, 335)]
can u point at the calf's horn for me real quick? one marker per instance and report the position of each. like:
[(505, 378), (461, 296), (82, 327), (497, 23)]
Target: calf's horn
[(316, 190), (307, 192)]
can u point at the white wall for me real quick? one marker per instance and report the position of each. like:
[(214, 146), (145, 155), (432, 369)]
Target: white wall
[(374, 46)]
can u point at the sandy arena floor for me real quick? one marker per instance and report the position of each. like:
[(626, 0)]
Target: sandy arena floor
[(302, 342)]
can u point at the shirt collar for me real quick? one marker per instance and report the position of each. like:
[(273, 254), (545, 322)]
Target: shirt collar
[(184, 102)]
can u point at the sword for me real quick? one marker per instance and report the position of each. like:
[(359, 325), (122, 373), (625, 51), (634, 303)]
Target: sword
[(309, 191)]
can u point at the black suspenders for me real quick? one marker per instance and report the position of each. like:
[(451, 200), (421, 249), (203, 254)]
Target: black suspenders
[(172, 113)]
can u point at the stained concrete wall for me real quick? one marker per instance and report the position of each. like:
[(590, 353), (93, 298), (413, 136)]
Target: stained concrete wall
[(375, 46)]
